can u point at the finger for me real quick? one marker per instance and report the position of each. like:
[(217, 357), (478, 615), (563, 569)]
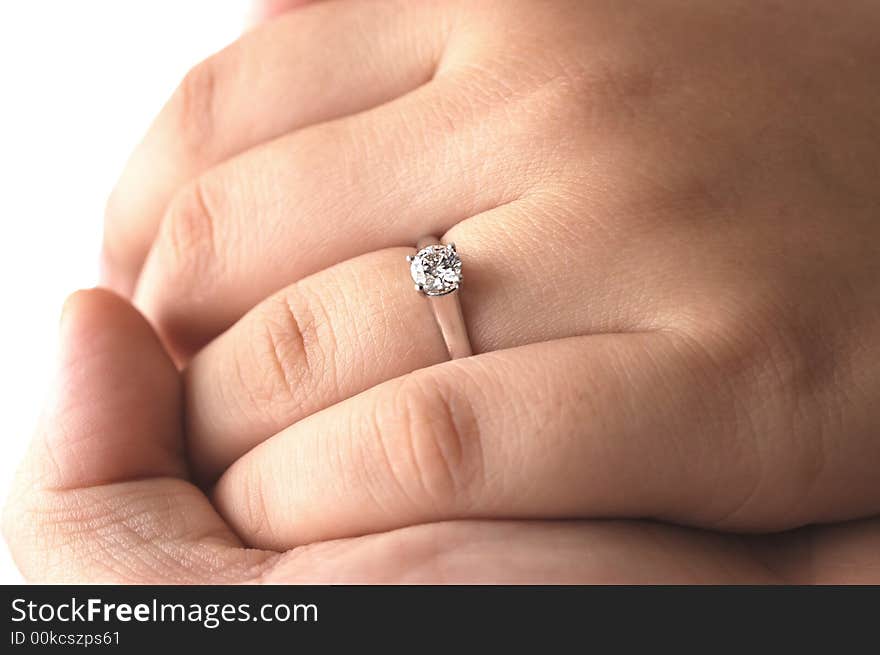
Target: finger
[(162, 530), (600, 426), (323, 195), (317, 63), (318, 341), (529, 552), (99, 497), (360, 323), (576, 427)]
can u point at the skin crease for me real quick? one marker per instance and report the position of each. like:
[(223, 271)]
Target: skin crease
[(703, 355)]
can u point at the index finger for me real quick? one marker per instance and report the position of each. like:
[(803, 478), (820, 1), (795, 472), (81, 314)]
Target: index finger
[(311, 65)]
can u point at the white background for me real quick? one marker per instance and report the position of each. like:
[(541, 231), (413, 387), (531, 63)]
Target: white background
[(79, 82)]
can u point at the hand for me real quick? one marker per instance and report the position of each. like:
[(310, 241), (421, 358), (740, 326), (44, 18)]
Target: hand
[(669, 232), (104, 497)]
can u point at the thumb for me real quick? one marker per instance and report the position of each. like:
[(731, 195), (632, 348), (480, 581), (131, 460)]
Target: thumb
[(114, 413), (101, 495)]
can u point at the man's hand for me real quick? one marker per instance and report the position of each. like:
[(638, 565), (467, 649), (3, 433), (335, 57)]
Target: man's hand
[(668, 217)]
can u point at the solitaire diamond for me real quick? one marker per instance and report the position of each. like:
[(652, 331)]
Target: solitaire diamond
[(436, 270)]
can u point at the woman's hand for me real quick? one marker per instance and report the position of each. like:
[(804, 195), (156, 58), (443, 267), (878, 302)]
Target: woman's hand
[(104, 497), (668, 213)]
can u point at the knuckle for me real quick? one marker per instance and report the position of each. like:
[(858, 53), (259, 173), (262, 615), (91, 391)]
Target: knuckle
[(187, 239), (793, 370), (193, 107), (431, 437), (762, 343), (293, 342), (771, 379)]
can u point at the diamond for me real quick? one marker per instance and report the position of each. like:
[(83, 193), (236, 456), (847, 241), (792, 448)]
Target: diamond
[(436, 270)]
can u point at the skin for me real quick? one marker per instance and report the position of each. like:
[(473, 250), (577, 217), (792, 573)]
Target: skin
[(670, 242), (99, 504)]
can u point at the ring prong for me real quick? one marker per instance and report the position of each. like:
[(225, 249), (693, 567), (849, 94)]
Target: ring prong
[(409, 258), (419, 287), (452, 247)]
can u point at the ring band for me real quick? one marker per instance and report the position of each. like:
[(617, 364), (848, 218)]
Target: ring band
[(436, 271)]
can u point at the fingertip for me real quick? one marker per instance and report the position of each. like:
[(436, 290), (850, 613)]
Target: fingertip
[(115, 409), (88, 314), (78, 303), (89, 301)]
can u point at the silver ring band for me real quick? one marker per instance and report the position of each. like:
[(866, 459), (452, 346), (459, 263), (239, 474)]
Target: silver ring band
[(436, 271)]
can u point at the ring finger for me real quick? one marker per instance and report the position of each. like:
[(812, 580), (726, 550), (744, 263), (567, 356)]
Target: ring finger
[(359, 323)]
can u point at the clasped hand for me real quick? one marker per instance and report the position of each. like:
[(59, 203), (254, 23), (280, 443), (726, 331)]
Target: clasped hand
[(668, 214)]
